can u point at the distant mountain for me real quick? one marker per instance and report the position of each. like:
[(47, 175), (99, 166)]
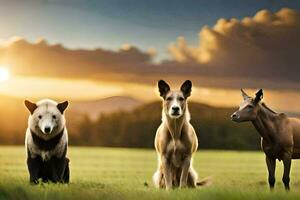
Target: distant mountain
[(136, 128), (107, 105), (14, 115), (127, 122)]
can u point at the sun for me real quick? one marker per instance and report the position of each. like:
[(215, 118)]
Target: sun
[(4, 74)]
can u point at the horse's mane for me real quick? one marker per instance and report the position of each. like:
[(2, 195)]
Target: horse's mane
[(269, 109)]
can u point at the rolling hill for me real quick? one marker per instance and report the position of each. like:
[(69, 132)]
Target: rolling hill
[(137, 128), (107, 105), (14, 115), (127, 122)]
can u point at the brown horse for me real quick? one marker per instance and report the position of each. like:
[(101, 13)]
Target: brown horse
[(280, 134)]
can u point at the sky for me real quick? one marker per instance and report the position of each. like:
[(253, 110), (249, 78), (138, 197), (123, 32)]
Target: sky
[(112, 23), (107, 48)]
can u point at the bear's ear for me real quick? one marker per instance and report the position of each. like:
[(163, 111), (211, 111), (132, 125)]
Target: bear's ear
[(186, 88), (163, 88), (62, 106), (30, 106)]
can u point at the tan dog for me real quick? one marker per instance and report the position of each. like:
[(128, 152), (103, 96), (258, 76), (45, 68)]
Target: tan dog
[(175, 140)]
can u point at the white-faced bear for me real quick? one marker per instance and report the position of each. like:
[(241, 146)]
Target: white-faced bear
[(47, 142)]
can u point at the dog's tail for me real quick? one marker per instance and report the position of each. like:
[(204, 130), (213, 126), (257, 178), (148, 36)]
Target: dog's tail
[(207, 181)]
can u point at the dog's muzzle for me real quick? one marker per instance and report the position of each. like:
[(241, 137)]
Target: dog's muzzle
[(175, 111)]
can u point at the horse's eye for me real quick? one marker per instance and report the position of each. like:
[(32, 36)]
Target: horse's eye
[(250, 106), (169, 99), (54, 116), (40, 116), (180, 98)]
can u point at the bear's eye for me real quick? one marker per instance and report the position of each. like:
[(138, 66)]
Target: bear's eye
[(54, 116), (40, 116)]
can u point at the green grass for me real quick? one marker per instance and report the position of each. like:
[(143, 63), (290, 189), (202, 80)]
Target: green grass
[(107, 173)]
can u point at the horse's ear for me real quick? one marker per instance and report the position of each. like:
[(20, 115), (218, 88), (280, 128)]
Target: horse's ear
[(244, 94), (163, 88), (259, 95)]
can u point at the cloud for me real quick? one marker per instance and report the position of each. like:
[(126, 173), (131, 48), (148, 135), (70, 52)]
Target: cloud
[(263, 47), (128, 64), (43, 59), (258, 51)]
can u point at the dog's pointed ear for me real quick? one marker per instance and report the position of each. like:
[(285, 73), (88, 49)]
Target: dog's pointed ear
[(259, 95), (244, 95), (163, 88), (62, 106), (186, 88), (30, 106)]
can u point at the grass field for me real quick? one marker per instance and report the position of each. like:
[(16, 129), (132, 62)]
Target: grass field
[(106, 173)]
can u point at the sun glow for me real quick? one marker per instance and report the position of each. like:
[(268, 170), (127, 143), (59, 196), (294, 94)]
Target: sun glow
[(4, 74)]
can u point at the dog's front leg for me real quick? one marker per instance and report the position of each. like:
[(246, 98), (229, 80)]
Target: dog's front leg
[(185, 170), (167, 172)]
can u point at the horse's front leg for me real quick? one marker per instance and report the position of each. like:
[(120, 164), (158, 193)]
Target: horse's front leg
[(185, 171), (287, 160), (271, 164)]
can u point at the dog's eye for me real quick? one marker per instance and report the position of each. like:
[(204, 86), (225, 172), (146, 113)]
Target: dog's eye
[(169, 98), (54, 116), (180, 98), (40, 116)]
